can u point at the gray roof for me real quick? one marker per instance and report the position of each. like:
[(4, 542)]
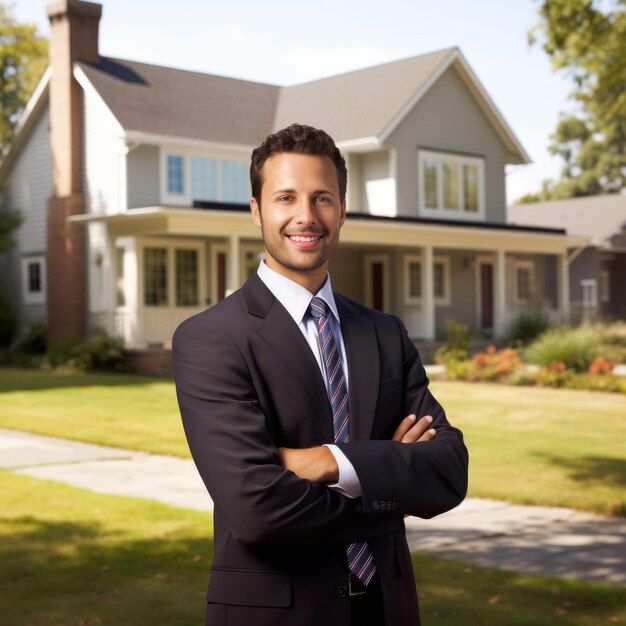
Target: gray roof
[(361, 103), (355, 105), (166, 101), (596, 217)]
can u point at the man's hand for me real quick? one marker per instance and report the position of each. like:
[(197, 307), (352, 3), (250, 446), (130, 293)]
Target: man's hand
[(315, 464), (411, 429), (318, 464)]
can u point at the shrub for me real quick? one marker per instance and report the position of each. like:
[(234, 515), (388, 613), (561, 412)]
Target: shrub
[(574, 347), (492, 365), (457, 336), (457, 342), (527, 326), (96, 353), (35, 341), (613, 339)]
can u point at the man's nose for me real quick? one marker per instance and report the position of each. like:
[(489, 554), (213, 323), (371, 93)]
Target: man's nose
[(307, 211)]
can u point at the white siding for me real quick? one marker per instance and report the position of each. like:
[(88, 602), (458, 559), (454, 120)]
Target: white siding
[(104, 178), (30, 186), (143, 177)]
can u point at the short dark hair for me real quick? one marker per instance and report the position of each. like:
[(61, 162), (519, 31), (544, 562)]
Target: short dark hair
[(300, 139)]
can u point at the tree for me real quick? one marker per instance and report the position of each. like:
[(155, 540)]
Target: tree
[(587, 39), (23, 59)]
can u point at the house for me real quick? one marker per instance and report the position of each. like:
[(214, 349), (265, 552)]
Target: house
[(597, 276), (132, 179)]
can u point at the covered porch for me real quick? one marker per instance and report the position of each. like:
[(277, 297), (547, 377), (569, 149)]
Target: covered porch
[(161, 265)]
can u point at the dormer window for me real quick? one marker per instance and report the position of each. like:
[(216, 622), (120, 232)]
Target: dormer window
[(450, 185)]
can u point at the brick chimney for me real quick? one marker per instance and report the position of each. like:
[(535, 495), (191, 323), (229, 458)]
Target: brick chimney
[(73, 37)]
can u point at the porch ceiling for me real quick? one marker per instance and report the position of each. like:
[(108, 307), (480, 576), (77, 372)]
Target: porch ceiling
[(160, 220)]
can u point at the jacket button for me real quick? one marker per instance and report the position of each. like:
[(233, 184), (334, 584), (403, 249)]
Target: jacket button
[(342, 591)]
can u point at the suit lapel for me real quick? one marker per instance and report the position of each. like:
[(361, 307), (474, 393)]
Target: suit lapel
[(284, 337), (359, 336)]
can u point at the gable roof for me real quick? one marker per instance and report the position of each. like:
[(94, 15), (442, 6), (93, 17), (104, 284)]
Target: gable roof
[(597, 217), (165, 101), (360, 106), (363, 104)]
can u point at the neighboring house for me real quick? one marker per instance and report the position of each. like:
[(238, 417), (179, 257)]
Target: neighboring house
[(142, 174), (597, 268)]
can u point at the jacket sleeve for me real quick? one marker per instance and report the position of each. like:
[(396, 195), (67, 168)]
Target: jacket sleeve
[(231, 442), (424, 478)]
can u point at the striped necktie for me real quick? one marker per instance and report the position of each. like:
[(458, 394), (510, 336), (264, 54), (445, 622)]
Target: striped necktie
[(360, 558)]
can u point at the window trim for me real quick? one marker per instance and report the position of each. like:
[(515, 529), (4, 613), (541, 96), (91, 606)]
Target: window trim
[(460, 160), (604, 286), (34, 297), (530, 266), (446, 298), (592, 284)]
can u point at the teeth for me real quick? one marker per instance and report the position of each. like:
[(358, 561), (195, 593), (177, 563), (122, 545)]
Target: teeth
[(301, 238)]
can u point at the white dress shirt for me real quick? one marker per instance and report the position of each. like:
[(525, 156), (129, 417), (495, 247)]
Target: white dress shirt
[(296, 299)]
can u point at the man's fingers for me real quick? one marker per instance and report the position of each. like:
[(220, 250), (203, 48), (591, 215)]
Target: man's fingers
[(404, 427), (420, 431)]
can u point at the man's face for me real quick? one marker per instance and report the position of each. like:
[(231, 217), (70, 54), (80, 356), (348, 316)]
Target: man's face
[(301, 215)]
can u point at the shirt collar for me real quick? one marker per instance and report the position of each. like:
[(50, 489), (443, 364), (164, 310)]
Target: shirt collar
[(294, 297)]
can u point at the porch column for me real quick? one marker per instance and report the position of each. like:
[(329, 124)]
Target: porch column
[(499, 322), (428, 294), (563, 286), (111, 301), (233, 273)]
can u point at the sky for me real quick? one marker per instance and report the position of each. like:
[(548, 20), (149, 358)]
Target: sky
[(285, 43)]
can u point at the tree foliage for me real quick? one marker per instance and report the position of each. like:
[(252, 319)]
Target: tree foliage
[(23, 59), (587, 39)]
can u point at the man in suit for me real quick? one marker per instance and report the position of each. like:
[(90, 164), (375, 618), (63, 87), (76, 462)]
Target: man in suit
[(310, 420)]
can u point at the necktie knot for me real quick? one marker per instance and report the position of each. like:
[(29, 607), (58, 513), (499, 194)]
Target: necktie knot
[(318, 308)]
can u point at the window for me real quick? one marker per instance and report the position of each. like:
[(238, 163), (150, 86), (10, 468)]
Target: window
[(441, 280), (172, 274), (450, 185), (34, 280), (175, 174), (155, 276), (234, 178), (186, 278), (589, 288), (203, 178), (524, 276), (605, 286)]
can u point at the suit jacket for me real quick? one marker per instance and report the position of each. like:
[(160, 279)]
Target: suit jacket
[(247, 383)]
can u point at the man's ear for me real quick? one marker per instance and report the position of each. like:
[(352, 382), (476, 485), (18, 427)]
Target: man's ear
[(343, 212), (255, 209)]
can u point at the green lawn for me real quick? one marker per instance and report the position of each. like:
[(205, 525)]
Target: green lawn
[(74, 558), (119, 410), (542, 446), (527, 445)]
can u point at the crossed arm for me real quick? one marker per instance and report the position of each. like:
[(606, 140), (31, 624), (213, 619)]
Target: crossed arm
[(318, 464)]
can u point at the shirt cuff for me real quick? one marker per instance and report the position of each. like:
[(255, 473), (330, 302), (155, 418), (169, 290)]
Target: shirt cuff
[(348, 483)]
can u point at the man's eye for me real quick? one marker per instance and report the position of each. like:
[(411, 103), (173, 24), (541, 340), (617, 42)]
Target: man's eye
[(322, 199), (284, 198)]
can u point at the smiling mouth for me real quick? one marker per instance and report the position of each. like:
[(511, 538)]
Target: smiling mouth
[(304, 238)]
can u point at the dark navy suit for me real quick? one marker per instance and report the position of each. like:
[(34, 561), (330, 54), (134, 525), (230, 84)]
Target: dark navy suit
[(247, 384)]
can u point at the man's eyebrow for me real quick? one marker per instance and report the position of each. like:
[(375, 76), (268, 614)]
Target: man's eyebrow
[(315, 192)]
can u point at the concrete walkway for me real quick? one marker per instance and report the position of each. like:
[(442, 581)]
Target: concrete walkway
[(532, 540)]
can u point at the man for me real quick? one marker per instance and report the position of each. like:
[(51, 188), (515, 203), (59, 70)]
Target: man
[(294, 409)]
